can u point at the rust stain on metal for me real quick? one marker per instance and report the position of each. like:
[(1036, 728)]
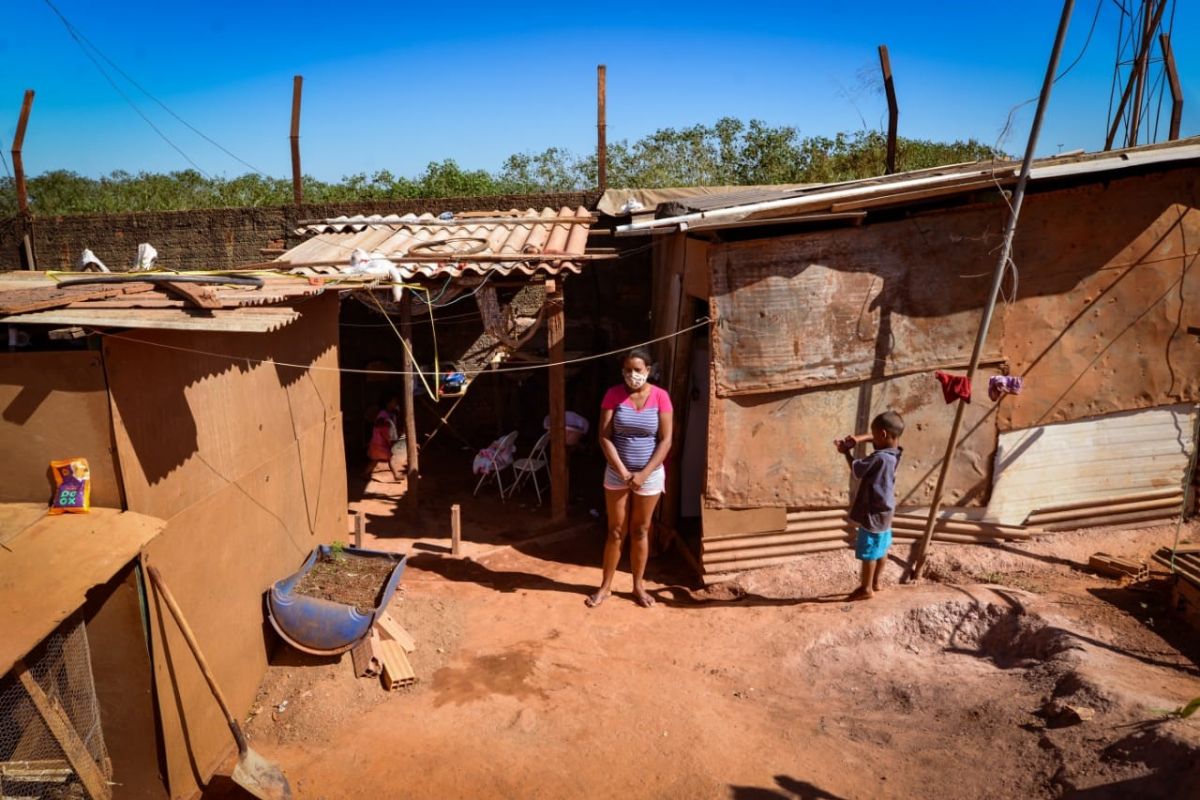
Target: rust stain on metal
[(845, 305), (1118, 339), (1108, 281)]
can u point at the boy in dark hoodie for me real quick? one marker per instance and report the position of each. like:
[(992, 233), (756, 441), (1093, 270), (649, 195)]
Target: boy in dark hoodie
[(875, 502)]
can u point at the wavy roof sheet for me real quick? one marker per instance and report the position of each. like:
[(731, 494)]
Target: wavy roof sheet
[(526, 242)]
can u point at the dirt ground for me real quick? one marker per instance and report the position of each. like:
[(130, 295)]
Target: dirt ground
[(1012, 674)]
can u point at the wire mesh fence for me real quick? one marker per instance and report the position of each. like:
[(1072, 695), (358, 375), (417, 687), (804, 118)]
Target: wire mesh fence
[(33, 762)]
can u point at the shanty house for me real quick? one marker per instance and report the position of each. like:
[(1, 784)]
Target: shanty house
[(213, 436), (831, 304)]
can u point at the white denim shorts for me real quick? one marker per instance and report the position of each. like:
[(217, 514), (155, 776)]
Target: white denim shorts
[(654, 485)]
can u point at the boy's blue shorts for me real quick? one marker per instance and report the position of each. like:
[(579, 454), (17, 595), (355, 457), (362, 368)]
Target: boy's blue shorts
[(871, 546)]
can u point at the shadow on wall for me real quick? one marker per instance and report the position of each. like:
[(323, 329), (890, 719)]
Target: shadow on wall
[(152, 373)]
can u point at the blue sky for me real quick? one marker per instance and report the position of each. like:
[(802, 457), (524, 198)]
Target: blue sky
[(395, 86)]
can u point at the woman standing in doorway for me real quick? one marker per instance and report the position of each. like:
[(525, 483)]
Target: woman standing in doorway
[(635, 435)]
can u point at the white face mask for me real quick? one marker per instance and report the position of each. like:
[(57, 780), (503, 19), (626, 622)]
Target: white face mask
[(636, 380)]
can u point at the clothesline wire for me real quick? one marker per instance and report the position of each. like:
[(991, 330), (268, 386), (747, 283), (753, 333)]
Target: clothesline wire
[(400, 373)]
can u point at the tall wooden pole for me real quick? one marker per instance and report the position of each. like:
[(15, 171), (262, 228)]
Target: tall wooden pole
[(18, 165), (555, 335), (918, 565), (297, 184), (1176, 89), (410, 417), (601, 127), (889, 86)]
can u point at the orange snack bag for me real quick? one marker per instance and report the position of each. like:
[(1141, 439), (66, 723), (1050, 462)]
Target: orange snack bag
[(72, 486)]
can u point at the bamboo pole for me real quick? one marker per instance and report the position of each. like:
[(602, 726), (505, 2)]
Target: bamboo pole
[(749, 542), (918, 563), (1101, 521), (1041, 519), (817, 513), (1156, 494), (768, 552)]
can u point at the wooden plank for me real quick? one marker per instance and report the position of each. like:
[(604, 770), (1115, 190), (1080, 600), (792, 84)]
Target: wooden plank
[(229, 320), (920, 194), (455, 529), (40, 298), (1140, 518), (1104, 509), (397, 672), (195, 294), (744, 542), (395, 631), (50, 770), (362, 656), (50, 568), (52, 713), (555, 339)]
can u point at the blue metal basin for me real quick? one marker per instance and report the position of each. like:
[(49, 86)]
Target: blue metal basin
[(323, 627)]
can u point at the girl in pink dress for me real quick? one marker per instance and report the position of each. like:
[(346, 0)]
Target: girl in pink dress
[(635, 435), (384, 434)]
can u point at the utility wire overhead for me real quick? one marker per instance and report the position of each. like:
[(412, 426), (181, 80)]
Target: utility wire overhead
[(84, 45)]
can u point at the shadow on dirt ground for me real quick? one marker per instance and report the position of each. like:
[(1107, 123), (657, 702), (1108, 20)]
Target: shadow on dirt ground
[(789, 789)]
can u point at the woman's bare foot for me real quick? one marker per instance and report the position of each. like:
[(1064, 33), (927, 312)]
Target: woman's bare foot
[(643, 599), (596, 599), (860, 594)]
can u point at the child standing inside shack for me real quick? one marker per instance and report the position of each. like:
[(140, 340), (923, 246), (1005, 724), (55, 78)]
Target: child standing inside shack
[(875, 502), (384, 436)]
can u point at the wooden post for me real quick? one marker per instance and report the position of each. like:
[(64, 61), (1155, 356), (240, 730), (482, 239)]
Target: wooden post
[(455, 529), (1143, 52), (359, 524), (1176, 89), (60, 727), (18, 165), (885, 64), (297, 184), (410, 418), (555, 330), (1139, 75), (918, 564), (601, 127)]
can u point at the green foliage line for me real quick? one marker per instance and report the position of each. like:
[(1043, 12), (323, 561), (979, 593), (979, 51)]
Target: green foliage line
[(729, 152)]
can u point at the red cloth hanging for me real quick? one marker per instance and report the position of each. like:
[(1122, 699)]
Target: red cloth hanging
[(954, 387)]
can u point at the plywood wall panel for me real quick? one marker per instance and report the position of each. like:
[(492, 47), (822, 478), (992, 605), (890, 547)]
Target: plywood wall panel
[(53, 406)]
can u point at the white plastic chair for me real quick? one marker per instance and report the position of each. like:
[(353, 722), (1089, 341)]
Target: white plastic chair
[(526, 468), (496, 457)]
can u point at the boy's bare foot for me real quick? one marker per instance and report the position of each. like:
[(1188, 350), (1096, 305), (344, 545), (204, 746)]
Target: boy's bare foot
[(596, 599), (642, 599), (860, 594)]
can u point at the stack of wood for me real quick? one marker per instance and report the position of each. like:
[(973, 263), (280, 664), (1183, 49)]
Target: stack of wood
[(1141, 510), (1124, 569), (384, 654), (1184, 561), (1185, 564), (821, 530)]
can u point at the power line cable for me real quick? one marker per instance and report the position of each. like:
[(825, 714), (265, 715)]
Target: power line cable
[(74, 35), (5, 160), (146, 92)]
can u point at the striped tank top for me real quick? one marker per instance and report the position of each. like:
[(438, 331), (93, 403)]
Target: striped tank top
[(634, 432)]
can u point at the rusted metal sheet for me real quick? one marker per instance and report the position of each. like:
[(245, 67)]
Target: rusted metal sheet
[(1102, 322), (777, 450), (1110, 456), (844, 305)]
